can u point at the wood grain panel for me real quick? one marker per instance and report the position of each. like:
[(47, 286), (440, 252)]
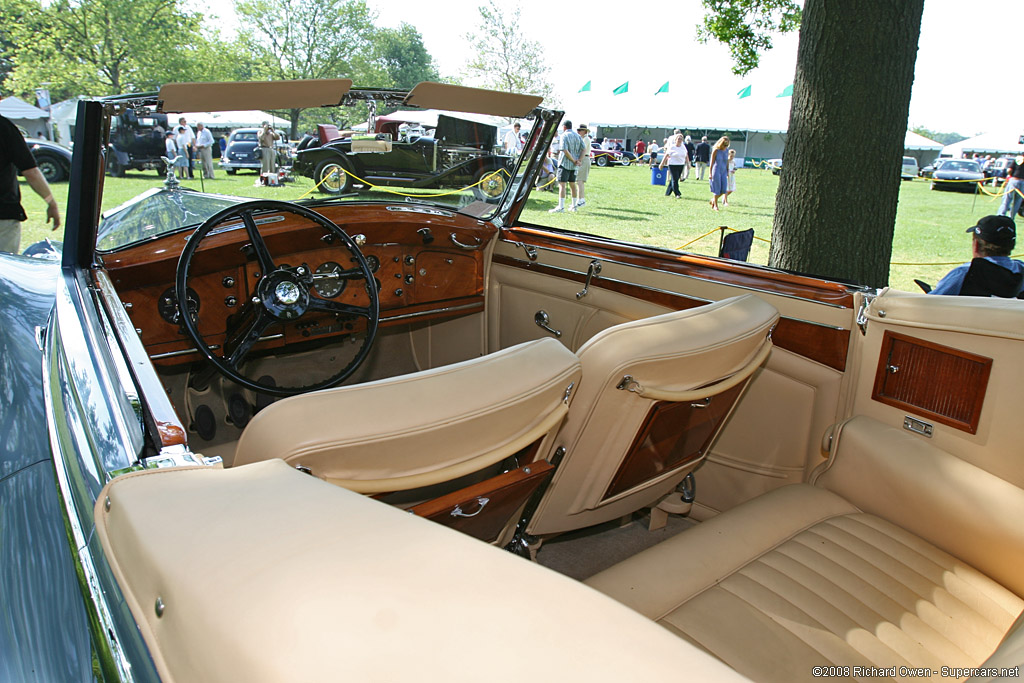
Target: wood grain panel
[(938, 382), (672, 435), (825, 345), (493, 501), (705, 267)]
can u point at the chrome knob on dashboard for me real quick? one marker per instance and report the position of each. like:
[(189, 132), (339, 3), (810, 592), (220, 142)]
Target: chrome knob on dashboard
[(409, 259), (409, 279), (359, 239)]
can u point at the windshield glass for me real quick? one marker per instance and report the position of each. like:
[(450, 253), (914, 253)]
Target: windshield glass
[(165, 174)]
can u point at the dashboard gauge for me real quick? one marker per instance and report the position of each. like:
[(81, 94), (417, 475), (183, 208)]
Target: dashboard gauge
[(326, 281), (373, 262), (167, 305)]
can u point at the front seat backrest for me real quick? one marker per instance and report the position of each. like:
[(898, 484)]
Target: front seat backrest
[(653, 395)]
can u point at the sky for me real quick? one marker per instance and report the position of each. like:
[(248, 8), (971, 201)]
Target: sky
[(962, 82)]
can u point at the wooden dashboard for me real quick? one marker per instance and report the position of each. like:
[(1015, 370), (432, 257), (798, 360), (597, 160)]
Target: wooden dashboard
[(427, 265)]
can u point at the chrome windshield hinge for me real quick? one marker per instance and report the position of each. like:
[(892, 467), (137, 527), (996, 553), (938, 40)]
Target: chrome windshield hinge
[(862, 312)]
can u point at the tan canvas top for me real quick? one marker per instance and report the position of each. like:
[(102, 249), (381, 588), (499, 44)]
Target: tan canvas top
[(428, 95), (180, 97)]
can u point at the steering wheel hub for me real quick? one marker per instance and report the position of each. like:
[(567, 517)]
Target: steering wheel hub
[(283, 295)]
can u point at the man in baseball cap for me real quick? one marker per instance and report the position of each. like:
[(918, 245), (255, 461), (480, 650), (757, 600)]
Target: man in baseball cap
[(993, 239)]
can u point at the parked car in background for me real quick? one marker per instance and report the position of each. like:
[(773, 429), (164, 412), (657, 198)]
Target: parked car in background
[(242, 151), (959, 175), (53, 160), (910, 169), (608, 157), (998, 168), (927, 171), (453, 153), (136, 142)]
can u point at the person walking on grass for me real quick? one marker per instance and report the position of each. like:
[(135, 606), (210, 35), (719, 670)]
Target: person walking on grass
[(569, 158), (677, 159), (16, 158), (702, 155), (719, 170)]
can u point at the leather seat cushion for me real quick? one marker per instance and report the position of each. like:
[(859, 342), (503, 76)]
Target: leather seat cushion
[(800, 578)]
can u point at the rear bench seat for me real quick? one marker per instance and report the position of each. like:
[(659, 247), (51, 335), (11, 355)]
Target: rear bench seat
[(896, 554)]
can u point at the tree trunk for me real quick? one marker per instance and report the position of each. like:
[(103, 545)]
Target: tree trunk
[(836, 205)]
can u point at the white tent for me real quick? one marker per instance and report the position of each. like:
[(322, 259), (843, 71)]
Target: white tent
[(217, 120), (21, 113), (1004, 142), (915, 141)]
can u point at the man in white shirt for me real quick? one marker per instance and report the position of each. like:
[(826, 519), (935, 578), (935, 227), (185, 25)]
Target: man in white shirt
[(190, 150), (513, 142), (204, 148)]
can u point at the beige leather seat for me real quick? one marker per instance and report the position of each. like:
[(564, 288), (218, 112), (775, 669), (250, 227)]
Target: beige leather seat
[(899, 554), (653, 396), (420, 429)]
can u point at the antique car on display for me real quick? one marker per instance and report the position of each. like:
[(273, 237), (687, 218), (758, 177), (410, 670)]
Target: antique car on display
[(399, 151), (53, 160), (959, 175), (399, 436), (136, 142), (608, 157), (242, 152)]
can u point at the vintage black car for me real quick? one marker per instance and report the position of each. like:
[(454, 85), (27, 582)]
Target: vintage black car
[(52, 160), (958, 175), (402, 153), (249, 439), (136, 142)]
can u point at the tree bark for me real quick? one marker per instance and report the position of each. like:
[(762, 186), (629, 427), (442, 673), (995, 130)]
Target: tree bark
[(836, 205)]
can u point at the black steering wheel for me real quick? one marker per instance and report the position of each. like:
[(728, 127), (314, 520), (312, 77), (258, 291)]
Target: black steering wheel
[(281, 294)]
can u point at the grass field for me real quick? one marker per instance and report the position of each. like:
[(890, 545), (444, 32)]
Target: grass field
[(622, 204)]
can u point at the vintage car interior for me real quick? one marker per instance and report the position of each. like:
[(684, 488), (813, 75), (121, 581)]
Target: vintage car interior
[(259, 478)]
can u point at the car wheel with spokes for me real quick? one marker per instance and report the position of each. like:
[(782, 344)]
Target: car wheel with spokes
[(331, 178)]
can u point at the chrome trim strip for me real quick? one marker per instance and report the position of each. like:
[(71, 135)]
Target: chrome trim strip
[(689, 296), (691, 277), (419, 314), (212, 347), (417, 209), (89, 575)]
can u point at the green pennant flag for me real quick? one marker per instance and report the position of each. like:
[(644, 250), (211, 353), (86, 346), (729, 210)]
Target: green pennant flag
[(585, 88), (743, 93), (787, 91), (662, 89), (621, 89)]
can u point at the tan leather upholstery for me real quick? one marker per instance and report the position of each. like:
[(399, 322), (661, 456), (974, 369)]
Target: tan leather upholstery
[(267, 574), (674, 357), (852, 571), (419, 429)]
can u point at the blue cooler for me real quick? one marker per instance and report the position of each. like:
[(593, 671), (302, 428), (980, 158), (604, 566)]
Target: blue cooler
[(658, 175)]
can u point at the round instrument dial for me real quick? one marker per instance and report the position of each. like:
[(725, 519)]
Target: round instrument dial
[(326, 281), (168, 307), (373, 262)]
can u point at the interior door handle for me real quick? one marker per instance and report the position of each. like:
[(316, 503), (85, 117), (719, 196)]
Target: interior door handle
[(541, 318)]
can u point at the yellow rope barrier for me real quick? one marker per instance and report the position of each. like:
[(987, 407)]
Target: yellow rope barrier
[(334, 174)]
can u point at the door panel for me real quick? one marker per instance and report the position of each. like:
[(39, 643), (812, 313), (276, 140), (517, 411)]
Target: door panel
[(950, 330), (774, 436)]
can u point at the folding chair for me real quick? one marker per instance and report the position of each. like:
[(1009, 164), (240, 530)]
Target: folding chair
[(736, 245)]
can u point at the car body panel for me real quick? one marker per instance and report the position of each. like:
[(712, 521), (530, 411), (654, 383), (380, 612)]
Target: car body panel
[(242, 151), (44, 630), (910, 169)]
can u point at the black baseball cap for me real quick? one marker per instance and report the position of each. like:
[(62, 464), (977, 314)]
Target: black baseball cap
[(998, 230)]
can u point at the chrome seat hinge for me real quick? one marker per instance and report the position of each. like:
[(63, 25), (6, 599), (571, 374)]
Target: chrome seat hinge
[(862, 312)]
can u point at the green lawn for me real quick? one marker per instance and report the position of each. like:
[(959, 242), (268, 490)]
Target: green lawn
[(621, 203)]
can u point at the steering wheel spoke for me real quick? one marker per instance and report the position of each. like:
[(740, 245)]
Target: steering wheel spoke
[(236, 349), (328, 306), (263, 256)]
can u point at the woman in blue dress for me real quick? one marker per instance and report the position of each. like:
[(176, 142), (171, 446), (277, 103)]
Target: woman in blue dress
[(719, 170)]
